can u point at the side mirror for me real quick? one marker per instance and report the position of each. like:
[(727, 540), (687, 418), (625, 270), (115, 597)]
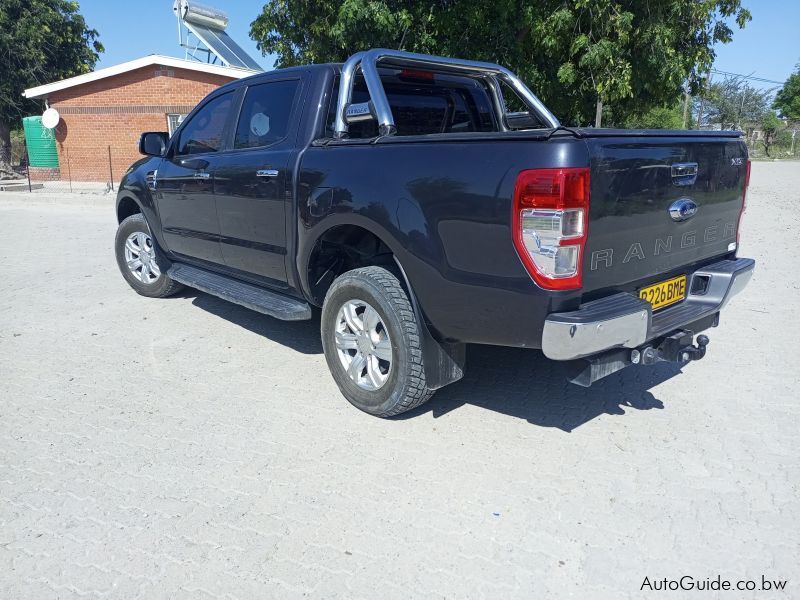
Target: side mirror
[(153, 143), (522, 120)]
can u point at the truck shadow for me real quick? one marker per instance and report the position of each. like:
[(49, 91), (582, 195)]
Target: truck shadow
[(513, 381), (301, 336), (525, 384)]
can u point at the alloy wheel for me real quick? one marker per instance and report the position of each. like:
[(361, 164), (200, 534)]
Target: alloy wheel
[(363, 345), (140, 256)]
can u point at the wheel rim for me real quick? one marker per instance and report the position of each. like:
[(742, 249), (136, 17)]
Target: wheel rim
[(363, 345), (140, 255)]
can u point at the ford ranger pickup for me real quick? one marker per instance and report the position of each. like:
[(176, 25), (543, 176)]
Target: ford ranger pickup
[(425, 203)]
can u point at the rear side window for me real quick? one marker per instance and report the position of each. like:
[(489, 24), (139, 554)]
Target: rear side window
[(205, 131), (425, 105), (264, 118)]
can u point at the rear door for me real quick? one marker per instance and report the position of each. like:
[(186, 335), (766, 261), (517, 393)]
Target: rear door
[(184, 183), (252, 182), (660, 205)]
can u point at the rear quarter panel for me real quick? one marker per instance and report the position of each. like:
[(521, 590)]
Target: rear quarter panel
[(444, 208)]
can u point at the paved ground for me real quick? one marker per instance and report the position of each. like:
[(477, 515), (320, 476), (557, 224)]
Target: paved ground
[(187, 448)]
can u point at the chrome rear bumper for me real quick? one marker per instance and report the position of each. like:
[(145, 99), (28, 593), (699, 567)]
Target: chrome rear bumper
[(625, 321)]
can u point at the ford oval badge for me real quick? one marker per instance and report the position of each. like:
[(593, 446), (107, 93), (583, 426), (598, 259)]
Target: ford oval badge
[(683, 209)]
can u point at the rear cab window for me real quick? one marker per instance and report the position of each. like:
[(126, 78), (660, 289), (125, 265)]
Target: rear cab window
[(265, 113), (424, 103)]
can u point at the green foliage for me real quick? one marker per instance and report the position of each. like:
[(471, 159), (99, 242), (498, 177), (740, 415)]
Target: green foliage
[(660, 117), (40, 41), (17, 146), (770, 126), (631, 54), (734, 104), (787, 100)]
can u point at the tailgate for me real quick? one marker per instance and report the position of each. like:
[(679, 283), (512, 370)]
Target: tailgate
[(643, 193)]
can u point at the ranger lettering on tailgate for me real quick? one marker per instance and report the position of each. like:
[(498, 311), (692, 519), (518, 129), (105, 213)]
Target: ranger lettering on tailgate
[(605, 258)]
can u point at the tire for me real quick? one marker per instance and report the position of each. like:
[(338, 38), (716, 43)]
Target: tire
[(380, 387), (148, 279)]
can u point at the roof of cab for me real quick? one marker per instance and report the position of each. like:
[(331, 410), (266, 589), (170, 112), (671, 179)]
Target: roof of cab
[(335, 67)]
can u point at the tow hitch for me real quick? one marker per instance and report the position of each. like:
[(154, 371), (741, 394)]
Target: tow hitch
[(677, 347)]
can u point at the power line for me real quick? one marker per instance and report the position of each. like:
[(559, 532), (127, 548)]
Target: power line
[(750, 77)]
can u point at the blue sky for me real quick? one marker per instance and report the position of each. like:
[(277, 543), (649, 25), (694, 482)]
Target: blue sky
[(768, 47), (149, 27)]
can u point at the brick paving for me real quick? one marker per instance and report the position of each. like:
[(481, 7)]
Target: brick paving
[(188, 448)]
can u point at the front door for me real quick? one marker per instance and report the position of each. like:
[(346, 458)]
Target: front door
[(252, 182), (184, 185)]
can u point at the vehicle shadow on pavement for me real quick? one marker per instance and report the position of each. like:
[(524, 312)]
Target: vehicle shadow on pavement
[(514, 381), (301, 336), (525, 384)]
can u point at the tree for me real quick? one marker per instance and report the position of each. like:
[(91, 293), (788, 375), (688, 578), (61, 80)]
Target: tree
[(577, 55), (787, 100), (770, 125), (733, 103), (40, 41), (659, 117)]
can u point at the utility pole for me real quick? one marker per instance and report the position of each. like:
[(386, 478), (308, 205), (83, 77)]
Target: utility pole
[(741, 108), (686, 108), (703, 101), (598, 115)]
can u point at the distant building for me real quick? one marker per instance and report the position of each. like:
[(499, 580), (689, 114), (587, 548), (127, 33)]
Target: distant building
[(104, 112)]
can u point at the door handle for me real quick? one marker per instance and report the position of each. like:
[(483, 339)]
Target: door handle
[(201, 175), (267, 173), (683, 173)]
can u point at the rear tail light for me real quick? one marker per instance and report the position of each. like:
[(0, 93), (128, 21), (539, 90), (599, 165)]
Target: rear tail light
[(744, 200), (551, 212)]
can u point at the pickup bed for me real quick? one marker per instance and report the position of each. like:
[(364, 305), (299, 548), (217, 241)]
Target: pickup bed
[(425, 203)]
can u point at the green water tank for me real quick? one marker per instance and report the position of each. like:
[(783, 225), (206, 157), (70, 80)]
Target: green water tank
[(41, 143)]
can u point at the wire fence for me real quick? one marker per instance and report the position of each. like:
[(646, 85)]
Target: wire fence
[(98, 168), (784, 144), (73, 169)]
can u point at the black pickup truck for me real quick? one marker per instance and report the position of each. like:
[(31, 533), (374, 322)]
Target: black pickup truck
[(425, 203)]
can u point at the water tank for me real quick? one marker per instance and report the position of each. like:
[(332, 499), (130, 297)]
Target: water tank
[(41, 143)]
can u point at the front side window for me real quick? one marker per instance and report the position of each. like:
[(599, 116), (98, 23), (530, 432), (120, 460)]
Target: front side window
[(264, 118), (205, 131)]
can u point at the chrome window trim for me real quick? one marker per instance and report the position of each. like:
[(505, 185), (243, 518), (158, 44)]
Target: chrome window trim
[(368, 63)]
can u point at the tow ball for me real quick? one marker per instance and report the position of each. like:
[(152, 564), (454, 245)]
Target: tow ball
[(677, 347)]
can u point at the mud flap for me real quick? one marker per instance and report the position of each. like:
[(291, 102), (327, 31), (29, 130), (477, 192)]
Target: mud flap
[(443, 362)]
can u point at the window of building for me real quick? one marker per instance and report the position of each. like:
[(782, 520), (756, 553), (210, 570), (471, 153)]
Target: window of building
[(173, 121)]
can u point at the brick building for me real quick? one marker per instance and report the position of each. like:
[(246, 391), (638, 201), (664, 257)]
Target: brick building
[(103, 112)]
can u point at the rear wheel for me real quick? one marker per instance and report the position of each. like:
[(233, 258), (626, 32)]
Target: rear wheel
[(136, 258), (372, 343)]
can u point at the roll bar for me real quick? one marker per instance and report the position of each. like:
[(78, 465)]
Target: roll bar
[(378, 105)]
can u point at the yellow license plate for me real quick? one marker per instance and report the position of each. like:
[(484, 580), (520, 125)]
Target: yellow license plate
[(665, 293)]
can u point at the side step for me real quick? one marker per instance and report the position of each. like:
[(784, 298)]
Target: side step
[(253, 297)]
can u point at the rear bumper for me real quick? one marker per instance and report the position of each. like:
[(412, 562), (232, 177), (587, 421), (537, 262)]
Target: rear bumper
[(625, 321)]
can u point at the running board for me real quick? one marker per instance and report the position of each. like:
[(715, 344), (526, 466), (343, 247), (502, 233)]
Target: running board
[(253, 297)]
